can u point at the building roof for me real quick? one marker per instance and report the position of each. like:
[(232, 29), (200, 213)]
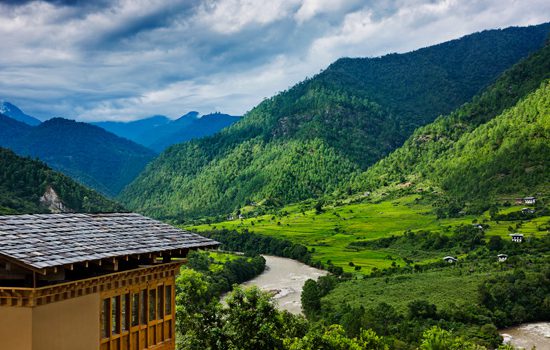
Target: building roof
[(48, 240), (449, 258), (516, 234)]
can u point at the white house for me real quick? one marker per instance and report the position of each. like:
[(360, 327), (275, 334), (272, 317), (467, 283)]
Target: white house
[(502, 257), (529, 200), (450, 259), (517, 237)]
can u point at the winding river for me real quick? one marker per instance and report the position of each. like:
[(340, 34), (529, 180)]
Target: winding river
[(285, 279)]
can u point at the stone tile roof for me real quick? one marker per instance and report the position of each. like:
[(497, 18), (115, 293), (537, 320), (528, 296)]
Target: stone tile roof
[(48, 240)]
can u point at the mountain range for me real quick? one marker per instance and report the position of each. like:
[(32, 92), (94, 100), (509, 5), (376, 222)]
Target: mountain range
[(319, 137), (87, 153), (159, 132)]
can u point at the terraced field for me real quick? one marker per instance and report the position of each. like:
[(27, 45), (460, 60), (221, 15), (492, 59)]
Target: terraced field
[(329, 233)]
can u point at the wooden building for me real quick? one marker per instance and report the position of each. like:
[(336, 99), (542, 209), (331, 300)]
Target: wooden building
[(90, 281)]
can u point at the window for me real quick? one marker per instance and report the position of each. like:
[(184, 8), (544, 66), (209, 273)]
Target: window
[(160, 302), (152, 304), (105, 318), (115, 316), (135, 308), (143, 307), (125, 311), (168, 300)]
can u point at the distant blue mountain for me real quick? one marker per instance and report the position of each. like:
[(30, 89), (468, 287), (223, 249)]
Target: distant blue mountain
[(159, 132), (87, 153), (137, 131), (14, 112)]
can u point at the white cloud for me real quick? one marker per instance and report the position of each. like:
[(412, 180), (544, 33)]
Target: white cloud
[(134, 58)]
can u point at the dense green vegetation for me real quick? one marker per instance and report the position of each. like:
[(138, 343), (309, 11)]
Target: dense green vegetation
[(495, 145), (23, 181), (224, 270), (249, 319), (311, 140), (473, 296), (84, 152)]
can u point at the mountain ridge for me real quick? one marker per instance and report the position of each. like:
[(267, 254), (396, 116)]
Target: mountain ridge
[(85, 152), (334, 118), (16, 113), (160, 132)]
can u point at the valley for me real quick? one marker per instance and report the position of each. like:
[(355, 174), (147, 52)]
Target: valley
[(395, 202)]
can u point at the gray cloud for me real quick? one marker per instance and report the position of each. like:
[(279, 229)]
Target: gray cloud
[(126, 59)]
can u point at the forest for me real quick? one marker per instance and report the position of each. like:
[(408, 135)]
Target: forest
[(24, 180), (313, 139)]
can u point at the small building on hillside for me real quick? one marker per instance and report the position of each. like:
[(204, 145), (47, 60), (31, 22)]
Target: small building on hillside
[(478, 226), (529, 200), (517, 237), (502, 257), (90, 281), (450, 259)]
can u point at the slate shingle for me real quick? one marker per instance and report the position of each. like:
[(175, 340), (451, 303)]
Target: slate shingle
[(49, 240)]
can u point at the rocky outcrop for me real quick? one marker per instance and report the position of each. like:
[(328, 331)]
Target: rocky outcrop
[(50, 199)]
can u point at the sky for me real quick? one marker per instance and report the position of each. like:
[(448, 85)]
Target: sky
[(129, 59)]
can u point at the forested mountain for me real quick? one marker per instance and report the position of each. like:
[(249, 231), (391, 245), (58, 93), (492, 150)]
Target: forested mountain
[(30, 186), (310, 140), (159, 132), (86, 153), (496, 144), (14, 112)]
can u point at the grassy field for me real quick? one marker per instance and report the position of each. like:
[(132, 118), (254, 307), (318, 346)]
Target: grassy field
[(329, 233), (439, 287)]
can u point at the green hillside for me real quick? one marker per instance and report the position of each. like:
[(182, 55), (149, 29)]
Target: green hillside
[(23, 181), (342, 120), (495, 145)]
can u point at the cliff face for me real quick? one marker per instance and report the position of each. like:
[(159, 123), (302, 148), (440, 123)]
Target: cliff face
[(51, 200)]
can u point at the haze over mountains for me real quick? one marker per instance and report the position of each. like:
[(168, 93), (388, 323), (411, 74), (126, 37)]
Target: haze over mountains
[(105, 156), (315, 138), (159, 132), (87, 153)]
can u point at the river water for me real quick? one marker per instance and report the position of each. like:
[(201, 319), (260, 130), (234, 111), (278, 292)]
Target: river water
[(285, 278), (528, 335)]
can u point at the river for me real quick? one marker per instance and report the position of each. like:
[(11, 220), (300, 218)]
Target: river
[(528, 335), (285, 278)]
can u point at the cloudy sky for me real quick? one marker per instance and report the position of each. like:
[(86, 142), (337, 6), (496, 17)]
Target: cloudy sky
[(124, 60)]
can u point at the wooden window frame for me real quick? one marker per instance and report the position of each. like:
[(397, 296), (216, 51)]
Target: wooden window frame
[(157, 333)]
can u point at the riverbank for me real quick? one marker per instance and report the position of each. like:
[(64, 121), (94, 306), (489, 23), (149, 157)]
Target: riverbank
[(285, 278), (528, 335)]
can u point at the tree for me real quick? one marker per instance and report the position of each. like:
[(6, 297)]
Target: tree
[(311, 299), (251, 321)]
